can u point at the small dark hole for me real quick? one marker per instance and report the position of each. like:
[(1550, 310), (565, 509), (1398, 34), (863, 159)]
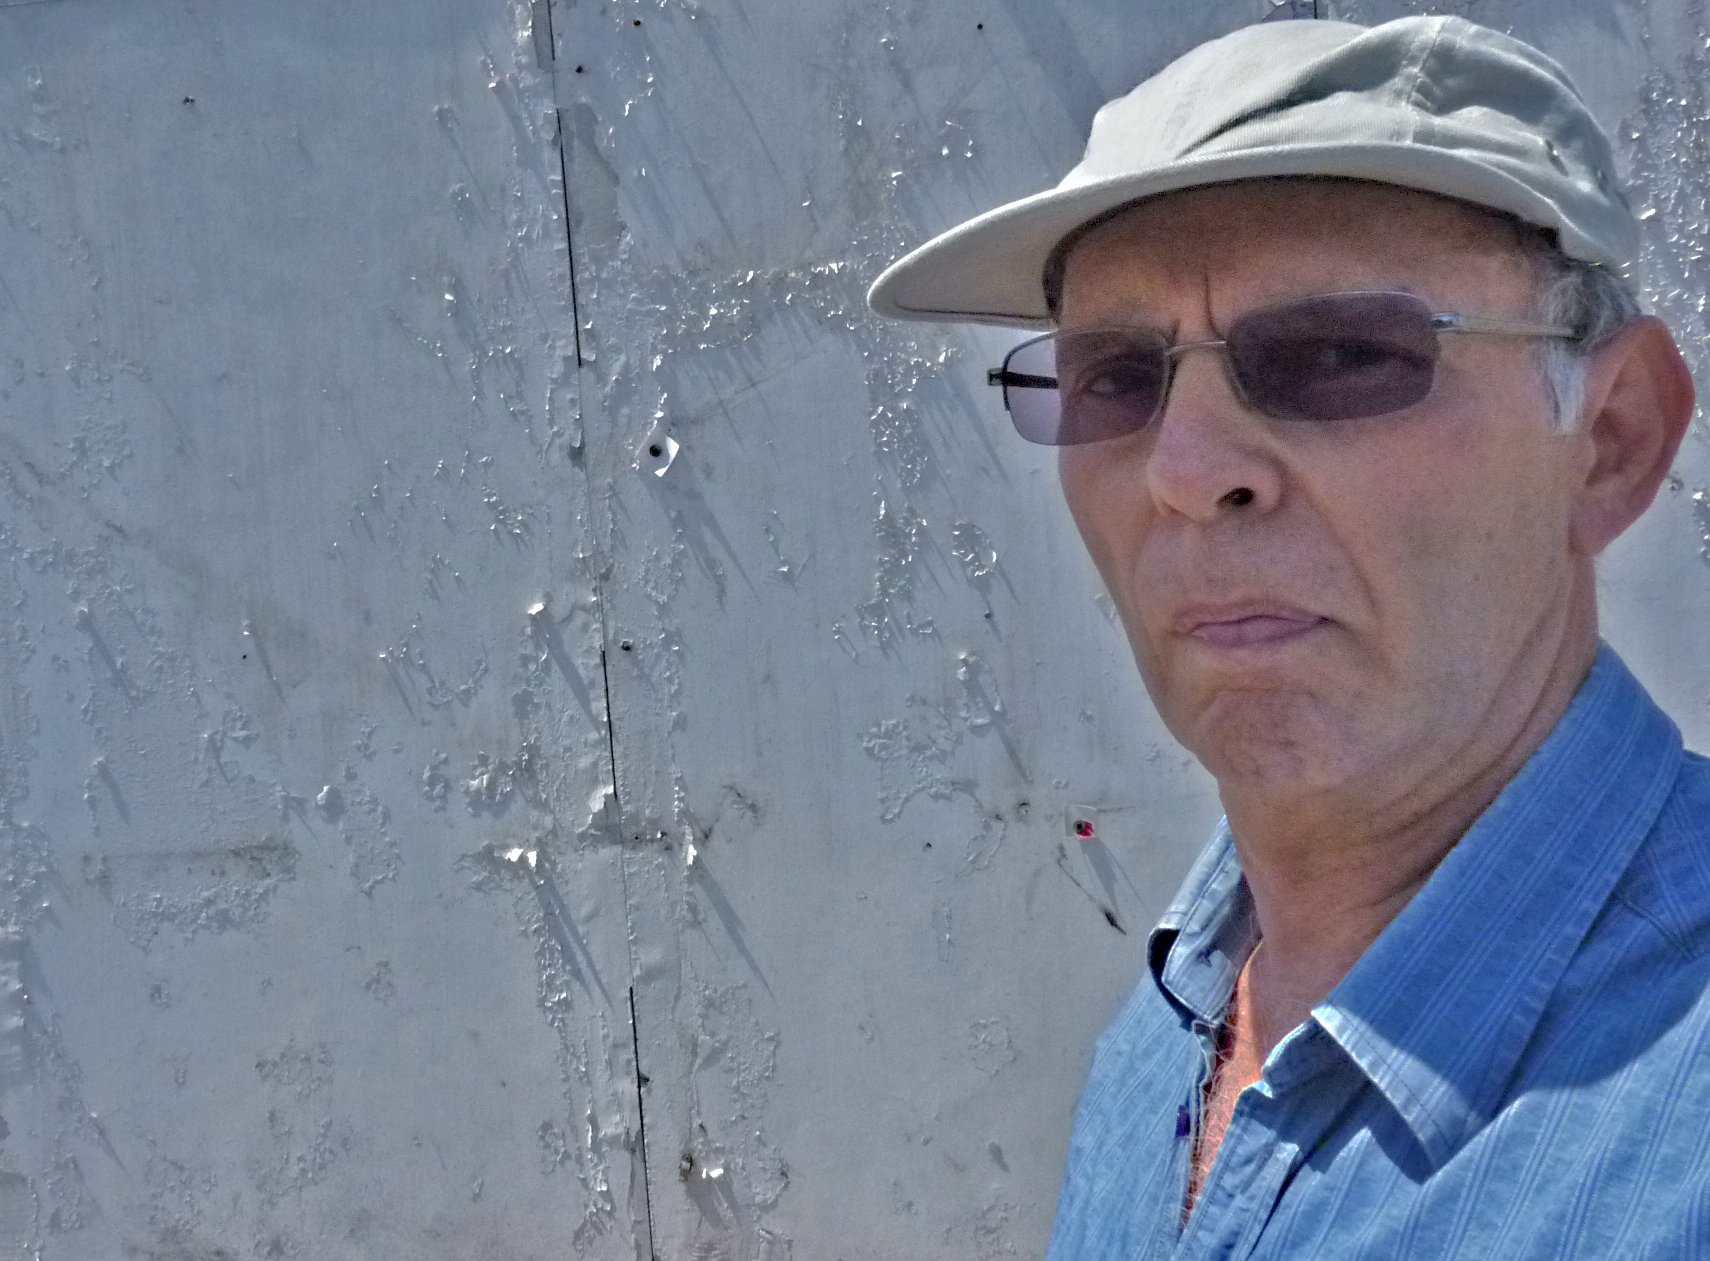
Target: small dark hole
[(626, 645), (979, 26), (636, 22), (578, 69), (655, 450)]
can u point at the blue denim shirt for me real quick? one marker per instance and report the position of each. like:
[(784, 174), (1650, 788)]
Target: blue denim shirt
[(1518, 1067)]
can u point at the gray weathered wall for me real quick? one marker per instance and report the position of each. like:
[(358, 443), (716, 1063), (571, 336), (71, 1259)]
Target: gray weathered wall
[(530, 724)]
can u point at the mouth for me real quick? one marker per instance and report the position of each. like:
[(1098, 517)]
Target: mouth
[(1247, 626)]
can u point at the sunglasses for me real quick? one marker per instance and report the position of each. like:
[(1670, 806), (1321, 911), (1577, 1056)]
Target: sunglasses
[(1338, 356)]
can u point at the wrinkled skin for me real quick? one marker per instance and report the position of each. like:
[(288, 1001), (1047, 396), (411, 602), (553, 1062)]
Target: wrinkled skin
[(1362, 628)]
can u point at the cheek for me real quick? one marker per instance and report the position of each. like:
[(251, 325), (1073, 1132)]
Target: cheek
[(1106, 497), (1467, 544), (1103, 511)]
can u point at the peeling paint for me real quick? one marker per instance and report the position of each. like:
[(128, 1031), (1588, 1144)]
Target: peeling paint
[(914, 755), (20, 1217), (1668, 144), (191, 891)]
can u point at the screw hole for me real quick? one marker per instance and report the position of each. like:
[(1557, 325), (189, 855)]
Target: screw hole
[(655, 450)]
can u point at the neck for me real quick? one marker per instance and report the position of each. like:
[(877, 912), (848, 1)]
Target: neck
[(1327, 877)]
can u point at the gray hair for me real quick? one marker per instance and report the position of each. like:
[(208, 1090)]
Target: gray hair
[(1594, 301)]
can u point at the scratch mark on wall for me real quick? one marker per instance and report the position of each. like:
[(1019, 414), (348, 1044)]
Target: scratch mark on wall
[(641, 1082), (1102, 907)]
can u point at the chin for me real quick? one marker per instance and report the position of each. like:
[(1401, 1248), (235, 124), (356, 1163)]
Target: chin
[(1273, 740)]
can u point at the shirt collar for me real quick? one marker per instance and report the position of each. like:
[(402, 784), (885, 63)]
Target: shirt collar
[(1438, 1010), (1206, 934)]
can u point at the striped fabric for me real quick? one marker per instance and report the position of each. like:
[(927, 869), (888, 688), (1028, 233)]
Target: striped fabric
[(1519, 1067)]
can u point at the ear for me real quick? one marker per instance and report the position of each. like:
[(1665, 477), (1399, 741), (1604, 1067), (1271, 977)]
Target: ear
[(1638, 402)]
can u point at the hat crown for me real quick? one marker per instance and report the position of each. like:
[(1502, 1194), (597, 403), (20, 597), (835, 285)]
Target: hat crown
[(1437, 104), (1438, 82), (1211, 89)]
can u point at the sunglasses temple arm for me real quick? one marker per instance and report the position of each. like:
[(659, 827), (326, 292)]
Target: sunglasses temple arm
[(1455, 323), (1019, 380)]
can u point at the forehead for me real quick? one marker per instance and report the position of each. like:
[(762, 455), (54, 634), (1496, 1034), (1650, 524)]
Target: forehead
[(1238, 244)]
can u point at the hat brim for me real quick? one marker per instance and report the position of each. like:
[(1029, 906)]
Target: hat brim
[(990, 270)]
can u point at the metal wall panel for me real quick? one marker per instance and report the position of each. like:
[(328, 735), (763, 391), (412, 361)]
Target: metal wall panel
[(310, 945), (327, 521), (862, 681)]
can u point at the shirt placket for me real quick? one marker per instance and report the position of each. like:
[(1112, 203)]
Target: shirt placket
[(1274, 1121)]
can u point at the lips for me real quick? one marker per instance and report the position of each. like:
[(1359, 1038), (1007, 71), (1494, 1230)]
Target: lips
[(1247, 625)]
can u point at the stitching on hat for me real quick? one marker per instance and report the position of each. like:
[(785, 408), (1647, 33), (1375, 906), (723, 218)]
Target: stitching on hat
[(1415, 93)]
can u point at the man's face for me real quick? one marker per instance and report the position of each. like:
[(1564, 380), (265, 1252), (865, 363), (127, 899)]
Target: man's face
[(1330, 607)]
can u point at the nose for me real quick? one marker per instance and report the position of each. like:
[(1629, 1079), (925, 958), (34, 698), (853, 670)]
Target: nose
[(1210, 455)]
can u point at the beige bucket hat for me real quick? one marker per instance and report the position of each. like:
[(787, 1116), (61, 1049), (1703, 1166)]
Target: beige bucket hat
[(1434, 103)]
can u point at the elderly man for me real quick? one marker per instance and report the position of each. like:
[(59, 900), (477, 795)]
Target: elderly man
[(1350, 395)]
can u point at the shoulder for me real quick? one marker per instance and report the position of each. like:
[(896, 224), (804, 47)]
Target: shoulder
[(1636, 994)]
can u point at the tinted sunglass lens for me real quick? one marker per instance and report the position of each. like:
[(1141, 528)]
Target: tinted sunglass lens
[(1111, 383), (1030, 390), (1339, 357)]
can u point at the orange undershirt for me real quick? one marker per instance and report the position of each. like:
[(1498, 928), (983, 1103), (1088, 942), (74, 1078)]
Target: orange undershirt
[(1238, 1065)]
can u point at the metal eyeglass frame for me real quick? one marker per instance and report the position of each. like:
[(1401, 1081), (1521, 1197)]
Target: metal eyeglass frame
[(1441, 322)]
